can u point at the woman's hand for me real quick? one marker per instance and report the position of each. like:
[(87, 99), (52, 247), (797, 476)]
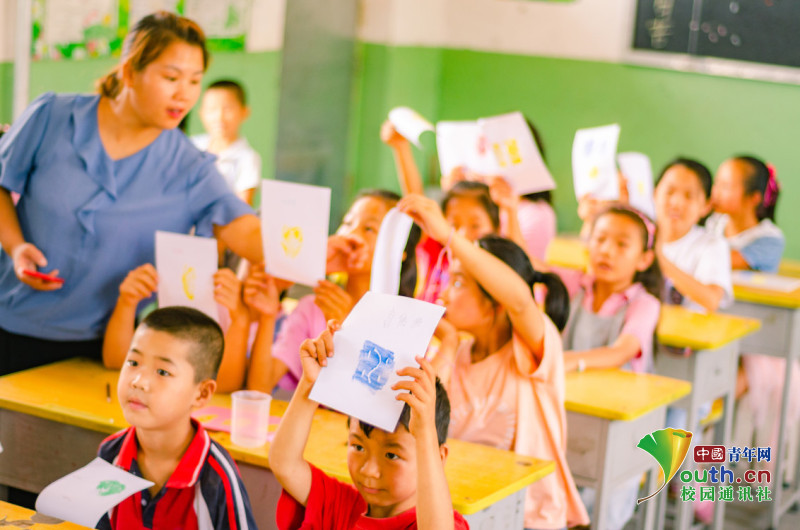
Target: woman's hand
[(334, 301), (140, 283), (426, 213), (27, 257)]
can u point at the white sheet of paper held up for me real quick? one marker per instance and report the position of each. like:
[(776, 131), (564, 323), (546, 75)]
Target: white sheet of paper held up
[(594, 168), (510, 140), (387, 260), (381, 335), (294, 230), (461, 143), (409, 123), (639, 173), (83, 496), (186, 267)]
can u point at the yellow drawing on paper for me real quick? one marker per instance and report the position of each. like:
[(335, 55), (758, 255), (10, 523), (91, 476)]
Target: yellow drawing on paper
[(187, 279), (594, 172), (513, 151), (640, 187), (498, 154), (292, 240)]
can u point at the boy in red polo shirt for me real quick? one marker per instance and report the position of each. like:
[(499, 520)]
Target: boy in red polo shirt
[(398, 477), (168, 371)]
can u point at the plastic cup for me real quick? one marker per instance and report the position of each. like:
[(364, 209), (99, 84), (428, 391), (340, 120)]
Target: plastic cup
[(250, 418)]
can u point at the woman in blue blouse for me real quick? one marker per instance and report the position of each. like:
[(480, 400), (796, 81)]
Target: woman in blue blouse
[(97, 176)]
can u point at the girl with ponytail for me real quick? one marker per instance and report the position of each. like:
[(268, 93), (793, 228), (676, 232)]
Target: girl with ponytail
[(506, 384)]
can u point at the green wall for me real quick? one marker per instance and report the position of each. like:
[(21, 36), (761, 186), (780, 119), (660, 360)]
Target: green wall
[(663, 113), (259, 73)]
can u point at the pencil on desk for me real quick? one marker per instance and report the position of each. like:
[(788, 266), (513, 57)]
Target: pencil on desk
[(108, 392)]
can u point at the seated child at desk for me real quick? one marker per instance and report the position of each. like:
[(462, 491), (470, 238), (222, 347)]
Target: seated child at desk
[(142, 282), (169, 371), (506, 385), (398, 477), (695, 262), (350, 250)]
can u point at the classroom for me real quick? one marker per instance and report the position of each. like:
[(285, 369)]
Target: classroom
[(497, 264)]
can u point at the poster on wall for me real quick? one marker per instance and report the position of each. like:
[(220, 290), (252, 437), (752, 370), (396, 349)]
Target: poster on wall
[(85, 29)]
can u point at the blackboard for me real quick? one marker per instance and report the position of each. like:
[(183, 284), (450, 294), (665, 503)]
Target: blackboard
[(758, 31)]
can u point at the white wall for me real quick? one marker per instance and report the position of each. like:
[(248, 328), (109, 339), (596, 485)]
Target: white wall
[(582, 29), (8, 14)]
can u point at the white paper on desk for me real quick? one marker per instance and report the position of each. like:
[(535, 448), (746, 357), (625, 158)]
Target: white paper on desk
[(294, 230), (762, 280), (387, 260), (461, 143), (381, 335), (83, 496), (638, 172), (594, 168), (409, 124), (510, 140), (186, 267)]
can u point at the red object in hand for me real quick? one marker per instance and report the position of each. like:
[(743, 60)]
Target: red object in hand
[(43, 276)]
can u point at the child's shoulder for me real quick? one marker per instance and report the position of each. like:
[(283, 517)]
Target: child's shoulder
[(112, 446)]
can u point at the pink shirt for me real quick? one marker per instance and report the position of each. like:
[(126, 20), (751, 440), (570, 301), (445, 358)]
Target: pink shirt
[(537, 221), (642, 310), (306, 322), (509, 402)]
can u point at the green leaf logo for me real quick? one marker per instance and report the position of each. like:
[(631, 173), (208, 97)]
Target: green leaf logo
[(109, 487), (669, 447)]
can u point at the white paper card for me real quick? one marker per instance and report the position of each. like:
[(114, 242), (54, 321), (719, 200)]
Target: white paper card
[(639, 173), (294, 230), (762, 280), (186, 267), (381, 335), (387, 260), (510, 140), (83, 496), (594, 168), (409, 123), (461, 143)]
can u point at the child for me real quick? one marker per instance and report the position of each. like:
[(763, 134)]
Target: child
[(695, 262), (169, 370), (744, 197), (141, 282), (222, 111), (398, 477), (615, 308), (506, 385), (349, 250)]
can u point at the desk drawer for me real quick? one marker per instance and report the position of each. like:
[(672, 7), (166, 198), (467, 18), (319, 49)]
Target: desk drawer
[(711, 372), (585, 435)]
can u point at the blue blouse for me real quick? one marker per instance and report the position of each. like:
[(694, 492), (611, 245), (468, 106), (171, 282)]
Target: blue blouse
[(95, 218)]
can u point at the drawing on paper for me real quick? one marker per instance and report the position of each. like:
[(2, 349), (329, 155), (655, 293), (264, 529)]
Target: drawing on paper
[(187, 279), (292, 240), (110, 487), (375, 364)]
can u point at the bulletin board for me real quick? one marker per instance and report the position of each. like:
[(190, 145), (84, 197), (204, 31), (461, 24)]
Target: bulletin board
[(80, 29)]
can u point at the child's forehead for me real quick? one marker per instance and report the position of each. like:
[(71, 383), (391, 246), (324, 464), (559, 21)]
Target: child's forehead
[(158, 343), (400, 437)]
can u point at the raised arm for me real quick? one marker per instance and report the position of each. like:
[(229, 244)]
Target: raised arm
[(139, 284), (228, 293), (407, 171), (286, 451), (707, 295)]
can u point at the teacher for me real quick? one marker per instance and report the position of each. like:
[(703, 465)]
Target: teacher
[(97, 175)]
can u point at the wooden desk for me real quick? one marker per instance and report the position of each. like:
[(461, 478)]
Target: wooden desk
[(710, 367), (779, 337), (568, 252), (608, 412), (53, 418), (13, 516)]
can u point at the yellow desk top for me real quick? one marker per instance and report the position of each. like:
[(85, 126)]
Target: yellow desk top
[(682, 328), (569, 252), (74, 392), (619, 395), (747, 293), (789, 267), (13, 516)]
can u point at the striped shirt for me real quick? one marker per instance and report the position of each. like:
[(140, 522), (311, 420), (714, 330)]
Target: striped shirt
[(204, 492)]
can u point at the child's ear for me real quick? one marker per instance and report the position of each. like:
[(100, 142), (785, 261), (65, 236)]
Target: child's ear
[(246, 113), (205, 389), (646, 260), (706, 208), (126, 73), (443, 452)]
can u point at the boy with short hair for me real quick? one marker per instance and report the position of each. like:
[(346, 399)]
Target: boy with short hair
[(222, 111), (398, 477), (168, 371)]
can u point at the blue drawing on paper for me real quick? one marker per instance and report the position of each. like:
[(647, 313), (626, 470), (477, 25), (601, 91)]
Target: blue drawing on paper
[(375, 364)]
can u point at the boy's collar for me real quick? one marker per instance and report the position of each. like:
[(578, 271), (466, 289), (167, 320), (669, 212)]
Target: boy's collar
[(191, 463)]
